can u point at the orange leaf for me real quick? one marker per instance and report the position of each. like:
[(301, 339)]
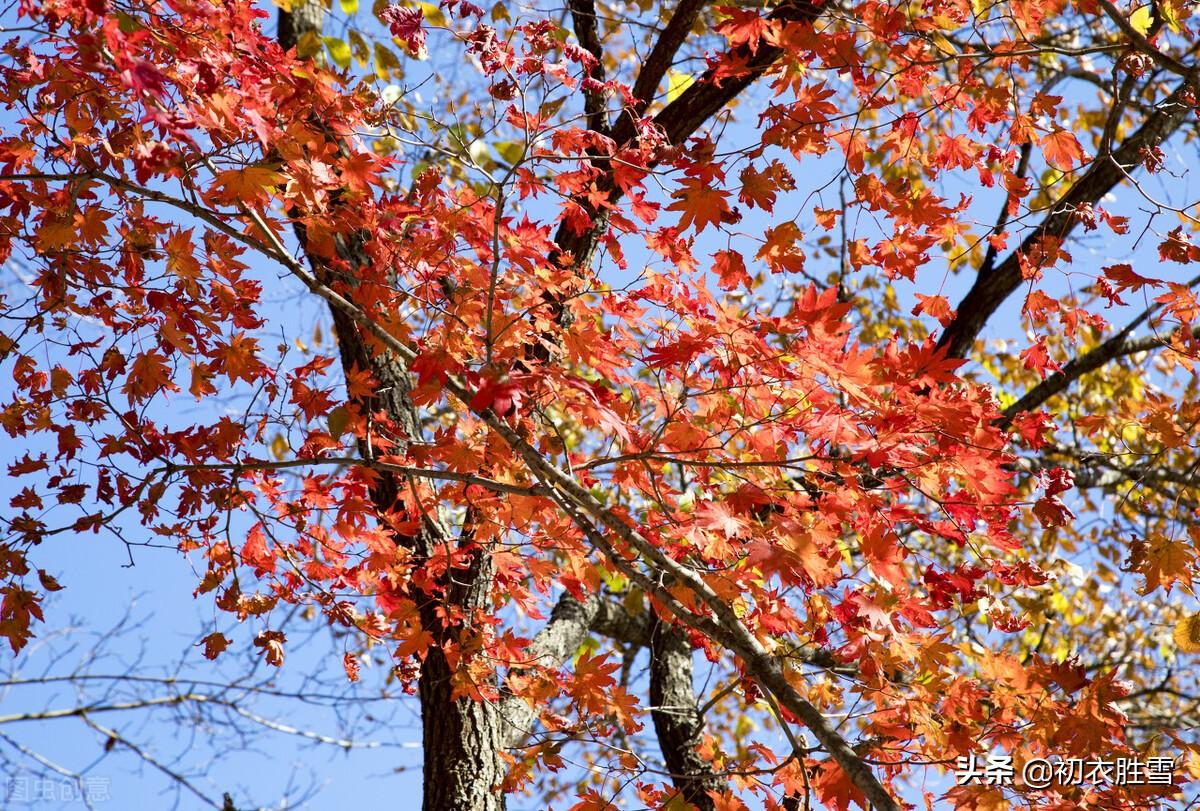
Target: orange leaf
[(1062, 150)]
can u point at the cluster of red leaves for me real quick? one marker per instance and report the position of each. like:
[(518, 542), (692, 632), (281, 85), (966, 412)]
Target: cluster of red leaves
[(811, 461)]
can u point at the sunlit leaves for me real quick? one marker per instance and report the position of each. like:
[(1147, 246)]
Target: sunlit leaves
[(718, 335)]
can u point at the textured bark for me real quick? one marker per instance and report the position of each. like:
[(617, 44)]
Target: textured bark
[(677, 719), (462, 738)]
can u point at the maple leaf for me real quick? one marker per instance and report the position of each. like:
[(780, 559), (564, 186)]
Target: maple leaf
[(743, 27), (958, 151), (834, 787), (1180, 301), (18, 608), (936, 306), (351, 665), (678, 352), (181, 259), (503, 395), (1162, 561), (1178, 247), (701, 204), (884, 556), (405, 24), (360, 171), (780, 249), (148, 375), (1037, 357), (214, 645), (758, 189), (1124, 277), (1062, 150), (725, 801), (718, 517), (143, 77), (238, 358), (271, 643), (593, 675), (246, 184), (255, 552), (731, 272)]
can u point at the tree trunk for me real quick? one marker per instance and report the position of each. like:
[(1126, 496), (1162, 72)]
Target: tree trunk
[(461, 738), (677, 719)]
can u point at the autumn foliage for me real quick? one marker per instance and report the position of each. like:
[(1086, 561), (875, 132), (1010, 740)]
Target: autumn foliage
[(620, 349)]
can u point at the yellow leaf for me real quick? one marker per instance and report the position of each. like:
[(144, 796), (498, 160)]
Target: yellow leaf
[(359, 47), (247, 183), (385, 61), (309, 45), (339, 419), (1187, 634), (1141, 19), (511, 151), (55, 234), (634, 601), (944, 45), (279, 447), (845, 550), (348, 6), (433, 15), (677, 83), (479, 154), (1167, 12), (549, 108), (339, 51)]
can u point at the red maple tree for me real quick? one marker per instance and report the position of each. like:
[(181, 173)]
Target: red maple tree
[(621, 364)]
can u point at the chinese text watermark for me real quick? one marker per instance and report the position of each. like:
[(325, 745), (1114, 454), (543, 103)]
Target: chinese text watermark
[(58, 789), (999, 770)]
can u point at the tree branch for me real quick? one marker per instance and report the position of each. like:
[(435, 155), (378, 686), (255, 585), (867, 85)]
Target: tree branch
[(583, 16), (992, 289), (1119, 345), (660, 59), (724, 627), (686, 114), (562, 635), (1144, 45)]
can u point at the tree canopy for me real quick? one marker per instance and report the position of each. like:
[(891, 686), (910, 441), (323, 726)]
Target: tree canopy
[(839, 352)]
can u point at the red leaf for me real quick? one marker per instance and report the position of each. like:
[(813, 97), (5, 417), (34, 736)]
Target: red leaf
[(214, 645), (1062, 150), (350, 663), (731, 270), (271, 643)]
